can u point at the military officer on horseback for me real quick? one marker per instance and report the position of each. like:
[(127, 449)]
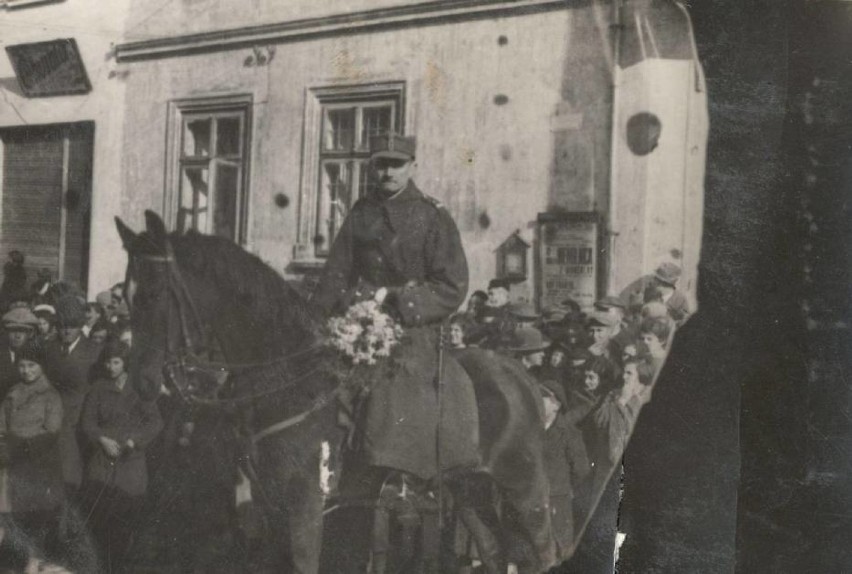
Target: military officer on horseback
[(401, 247)]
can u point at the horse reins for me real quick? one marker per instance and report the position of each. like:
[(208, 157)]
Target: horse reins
[(189, 360)]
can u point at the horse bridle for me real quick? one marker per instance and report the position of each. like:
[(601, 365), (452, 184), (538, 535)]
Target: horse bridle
[(181, 365)]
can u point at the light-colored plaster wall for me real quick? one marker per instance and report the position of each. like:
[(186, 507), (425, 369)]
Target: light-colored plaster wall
[(486, 161), (96, 26)]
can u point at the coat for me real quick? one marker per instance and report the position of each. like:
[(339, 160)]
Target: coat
[(30, 419), (119, 414), (71, 375), (8, 370), (410, 245)]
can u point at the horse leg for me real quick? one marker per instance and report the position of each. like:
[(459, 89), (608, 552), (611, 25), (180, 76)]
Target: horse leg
[(305, 521), (487, 544)]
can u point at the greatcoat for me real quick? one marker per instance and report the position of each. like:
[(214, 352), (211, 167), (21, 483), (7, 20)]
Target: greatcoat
[(71, 374), (410, 245)]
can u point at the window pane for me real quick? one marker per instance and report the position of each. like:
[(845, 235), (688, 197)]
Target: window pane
[(334, 202), (225, 200), (228, 136), (196, 138), (194, 199), (376, 121), (366, 180), (339, 129)]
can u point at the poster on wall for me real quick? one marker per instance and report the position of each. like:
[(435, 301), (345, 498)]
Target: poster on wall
[(567, 257)]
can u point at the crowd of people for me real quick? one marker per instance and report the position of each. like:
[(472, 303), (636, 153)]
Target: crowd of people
[(594, 369), (72, 429)]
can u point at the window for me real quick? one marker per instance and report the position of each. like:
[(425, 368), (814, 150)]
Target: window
[(340, 124), (210, 168)]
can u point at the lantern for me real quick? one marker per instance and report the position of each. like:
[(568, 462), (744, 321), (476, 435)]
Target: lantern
[(512, 258)]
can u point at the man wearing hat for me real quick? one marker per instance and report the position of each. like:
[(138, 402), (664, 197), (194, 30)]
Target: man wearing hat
[(665, 283), (529, 346), (20, 325), (402, 248), (70, 360)]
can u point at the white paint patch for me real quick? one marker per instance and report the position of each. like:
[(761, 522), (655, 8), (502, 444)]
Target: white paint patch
[(325, 468), (620, 537), (242, 491)]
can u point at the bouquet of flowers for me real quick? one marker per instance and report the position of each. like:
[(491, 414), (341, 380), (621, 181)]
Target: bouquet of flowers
[(365, 333)]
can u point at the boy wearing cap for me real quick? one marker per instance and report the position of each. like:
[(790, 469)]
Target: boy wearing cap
[(30, 421), (401, 248), (19, 324)]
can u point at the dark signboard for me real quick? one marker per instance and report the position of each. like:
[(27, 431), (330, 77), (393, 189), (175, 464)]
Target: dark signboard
[(51, 68)]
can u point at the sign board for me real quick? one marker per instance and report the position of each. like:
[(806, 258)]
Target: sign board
[(52, 68), (567, 258)]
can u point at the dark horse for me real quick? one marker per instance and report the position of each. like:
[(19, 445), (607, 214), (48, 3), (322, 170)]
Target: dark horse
[(192, 293)]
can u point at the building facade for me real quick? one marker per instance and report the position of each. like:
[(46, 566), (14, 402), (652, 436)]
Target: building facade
[(60, 132), (251, 121)]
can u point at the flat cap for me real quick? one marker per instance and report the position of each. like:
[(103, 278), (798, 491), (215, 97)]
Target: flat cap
[(609, 302), (20, 318), (667, 273), (601, 318), (393, 146)]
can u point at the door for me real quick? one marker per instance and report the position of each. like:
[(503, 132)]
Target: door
[(46, 193)]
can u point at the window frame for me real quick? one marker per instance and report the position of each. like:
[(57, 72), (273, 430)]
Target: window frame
[(239, 105), (306, 250)]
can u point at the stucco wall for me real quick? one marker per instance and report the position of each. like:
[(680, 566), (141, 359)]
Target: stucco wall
[(492, 164), (95, 37)]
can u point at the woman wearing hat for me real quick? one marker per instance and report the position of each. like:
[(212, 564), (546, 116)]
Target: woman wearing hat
[(118, 425), (46, 316), (30, 421)]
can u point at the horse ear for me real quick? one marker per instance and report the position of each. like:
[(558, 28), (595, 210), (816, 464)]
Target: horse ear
[(156, 227), (128, 238)]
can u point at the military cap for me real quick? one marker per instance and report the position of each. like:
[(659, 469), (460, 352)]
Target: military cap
[(667, 274), (393, 146), (601, 318), (527, 340), (71, 311), (20, 318), (609, 302), (523, 310), (499, 284)]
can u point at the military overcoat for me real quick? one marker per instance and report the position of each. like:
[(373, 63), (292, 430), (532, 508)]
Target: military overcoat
[(410, 245)]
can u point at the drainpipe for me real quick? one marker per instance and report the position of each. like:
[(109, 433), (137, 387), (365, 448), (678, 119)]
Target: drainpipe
[(617, 28)]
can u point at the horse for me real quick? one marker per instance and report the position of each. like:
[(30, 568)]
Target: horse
[(190, 294)]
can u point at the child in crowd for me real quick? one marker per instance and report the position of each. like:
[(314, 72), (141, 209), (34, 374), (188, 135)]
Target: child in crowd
[(655, 335), (30, 421), (46, 315), (119, 425)]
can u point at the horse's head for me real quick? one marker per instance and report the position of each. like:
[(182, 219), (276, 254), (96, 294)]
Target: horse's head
[(165, 324)]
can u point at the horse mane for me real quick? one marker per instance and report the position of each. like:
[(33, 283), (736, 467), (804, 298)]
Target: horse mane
[(245, 278)]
